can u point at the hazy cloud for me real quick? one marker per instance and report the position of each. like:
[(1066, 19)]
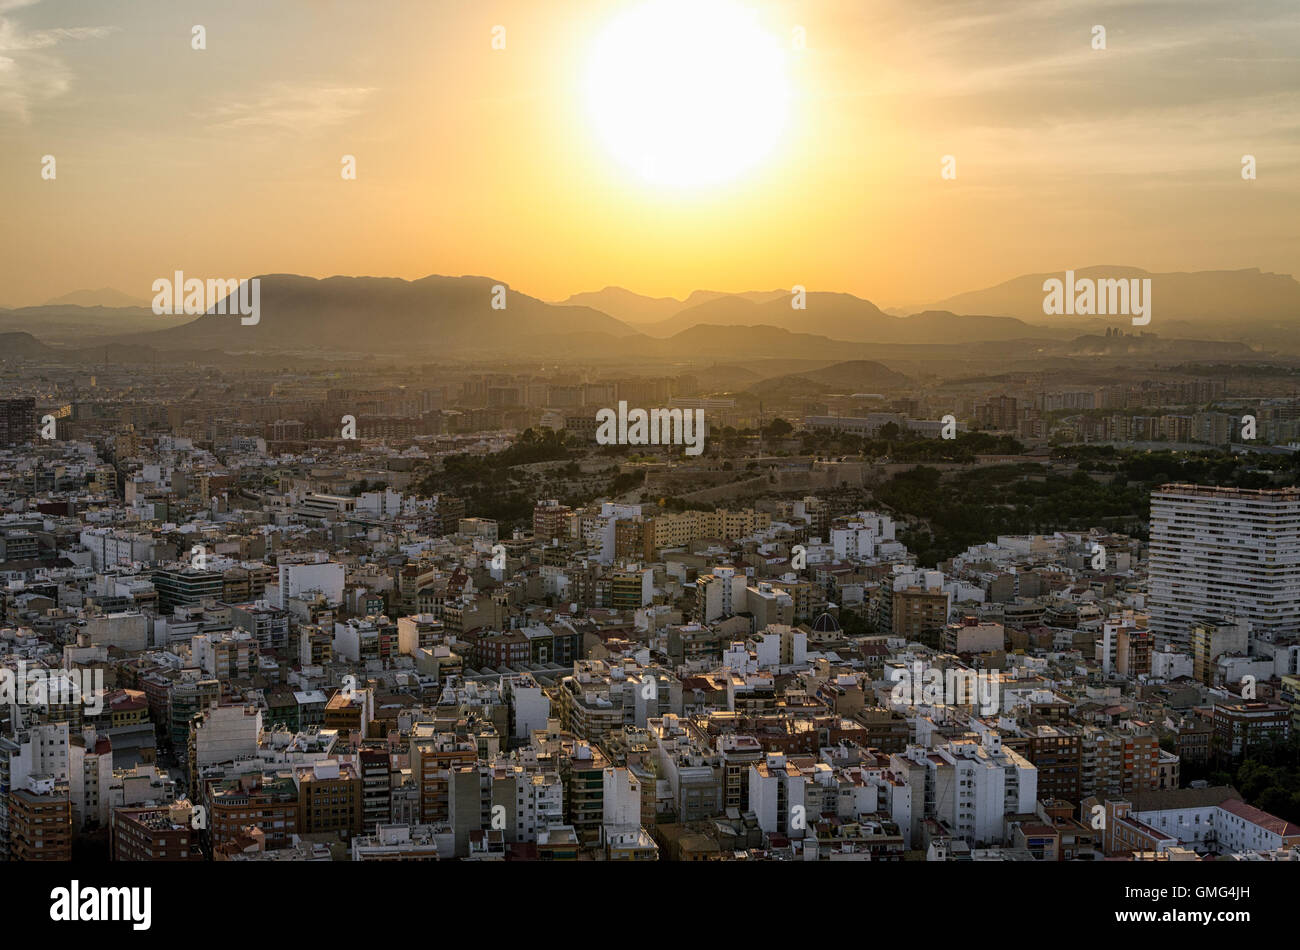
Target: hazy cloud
[(28, 76)]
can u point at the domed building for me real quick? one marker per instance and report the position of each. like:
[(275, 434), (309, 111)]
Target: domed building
[(825, 623)]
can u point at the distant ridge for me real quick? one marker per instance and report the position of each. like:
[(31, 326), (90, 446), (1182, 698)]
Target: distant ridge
[(104, 297), (370, 313), (846, 317), (636, 308), (1250, 312), (1197, 296)]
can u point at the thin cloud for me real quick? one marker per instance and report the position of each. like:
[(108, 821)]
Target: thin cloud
[(29, 76), (293, 106)]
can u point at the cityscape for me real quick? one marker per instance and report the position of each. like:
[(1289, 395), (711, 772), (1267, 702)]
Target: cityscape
[(471, 631), (404, 492)]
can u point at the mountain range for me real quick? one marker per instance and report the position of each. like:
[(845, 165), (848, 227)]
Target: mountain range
[(1195, 297), (454, 317)]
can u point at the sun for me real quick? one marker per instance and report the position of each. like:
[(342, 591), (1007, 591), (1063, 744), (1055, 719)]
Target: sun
[(688, 93)]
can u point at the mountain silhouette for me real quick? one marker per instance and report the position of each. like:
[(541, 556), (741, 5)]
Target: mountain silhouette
[(385, 314), (454, 317), (636, 308), (846, 317), (1237, 296)]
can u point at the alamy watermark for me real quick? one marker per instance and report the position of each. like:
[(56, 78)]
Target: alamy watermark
[(38, 686), (918, 686), (90, 903), (196, 297), (653, 427), (1088, 297)]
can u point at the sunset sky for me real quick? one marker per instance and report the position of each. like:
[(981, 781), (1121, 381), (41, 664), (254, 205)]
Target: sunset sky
[(226, 161)]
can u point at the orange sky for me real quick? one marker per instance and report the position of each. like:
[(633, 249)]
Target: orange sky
[(225, 161)]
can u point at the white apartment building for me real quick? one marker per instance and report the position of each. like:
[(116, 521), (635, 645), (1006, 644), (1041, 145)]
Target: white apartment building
[(114, 547), (1228, 827), (90, 775), (226, 733), (142, 783), (537, 797), (529, 704), (42, 753), (972, 785), (1219, 552), (295, 580), (621, 803), (720, 593), (789, 794), (779, 796), (866, 536)]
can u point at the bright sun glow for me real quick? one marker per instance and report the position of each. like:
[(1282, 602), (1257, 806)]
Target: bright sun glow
[(688, 92)]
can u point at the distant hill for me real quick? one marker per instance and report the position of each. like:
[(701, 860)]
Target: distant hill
[(104, 297), (625, 305), (857, 376), (24, 346), (636, 308), (853, 376), (452, 318), (698, 297), (387, 315), (742, 342), (1236, 297), (846, 317), (835, 315)]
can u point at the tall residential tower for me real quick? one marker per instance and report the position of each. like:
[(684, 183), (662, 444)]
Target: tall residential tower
[(1224, 552)]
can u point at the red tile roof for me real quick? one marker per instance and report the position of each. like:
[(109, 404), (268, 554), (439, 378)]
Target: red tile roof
[(1279, 826)]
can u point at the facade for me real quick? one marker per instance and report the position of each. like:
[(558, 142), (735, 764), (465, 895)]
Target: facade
[(17, 421), (1242, 725), (155, 834), (1224, 552), (187, 587), (330, 798), (40, 823), (265, 801), (919, 610)]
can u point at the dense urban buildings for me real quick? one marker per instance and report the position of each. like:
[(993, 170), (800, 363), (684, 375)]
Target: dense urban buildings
[(492, 638)]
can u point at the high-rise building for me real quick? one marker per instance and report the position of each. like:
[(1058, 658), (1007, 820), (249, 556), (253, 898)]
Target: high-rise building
[(999, 413), (549, 518), (17, 421), (1219, 552), (376, 783)]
